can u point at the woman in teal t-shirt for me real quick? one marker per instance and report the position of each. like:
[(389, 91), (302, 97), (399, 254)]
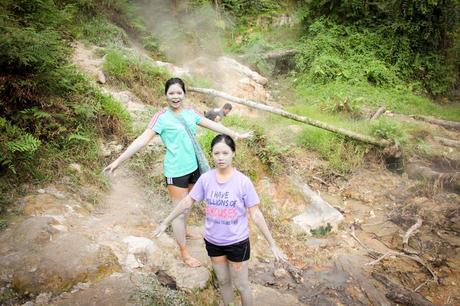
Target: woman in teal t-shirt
[(180, 165)]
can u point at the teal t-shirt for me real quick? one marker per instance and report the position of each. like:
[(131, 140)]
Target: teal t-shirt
[(180, 156)]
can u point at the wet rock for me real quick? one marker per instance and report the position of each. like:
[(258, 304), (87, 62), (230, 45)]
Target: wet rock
[(37, 204), (31, 232), (116, 289), (230, 63), (43, 298), (271, 297), (280, 273), (110, 148), (101, 77), (59, 264), (76, 167)]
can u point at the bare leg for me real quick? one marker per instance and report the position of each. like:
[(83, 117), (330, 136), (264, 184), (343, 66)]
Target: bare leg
[(239, 274), (188, 233), (179, 226), (220, 265)]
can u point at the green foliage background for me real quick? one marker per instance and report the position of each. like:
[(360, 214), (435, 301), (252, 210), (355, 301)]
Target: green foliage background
[(50, 114)]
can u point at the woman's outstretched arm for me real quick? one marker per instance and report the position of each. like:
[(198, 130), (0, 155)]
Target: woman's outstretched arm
[(140, 142), (184, 205), (219, 128), (259, 220)]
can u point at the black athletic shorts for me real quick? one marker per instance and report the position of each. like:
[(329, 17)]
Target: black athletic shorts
[(185, 180), (236, 252)]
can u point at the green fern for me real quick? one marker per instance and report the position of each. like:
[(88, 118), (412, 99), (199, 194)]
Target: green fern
[(25, 144)]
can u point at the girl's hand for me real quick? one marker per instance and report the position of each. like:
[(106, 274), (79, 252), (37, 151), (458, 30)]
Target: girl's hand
[(159, 230), (111, 168), (244, 135), (279, 255)]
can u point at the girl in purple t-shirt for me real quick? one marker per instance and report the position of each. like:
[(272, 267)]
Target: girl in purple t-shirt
[(228, 195)]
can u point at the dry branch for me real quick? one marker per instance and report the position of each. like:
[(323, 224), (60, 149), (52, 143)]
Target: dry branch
[(316, 123), (393, 253), (410, 232)]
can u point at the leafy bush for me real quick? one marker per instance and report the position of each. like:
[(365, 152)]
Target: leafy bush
[(399, 40), (332, 52), (242, 8), (50, 114), (387, 129)]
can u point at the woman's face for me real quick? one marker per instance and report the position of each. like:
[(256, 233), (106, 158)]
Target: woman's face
[(175, 96), (222, 155)]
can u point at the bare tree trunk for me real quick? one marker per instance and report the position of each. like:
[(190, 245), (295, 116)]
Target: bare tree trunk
[(353, 135)]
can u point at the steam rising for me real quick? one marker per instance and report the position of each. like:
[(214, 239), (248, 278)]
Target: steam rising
[(183, 33)]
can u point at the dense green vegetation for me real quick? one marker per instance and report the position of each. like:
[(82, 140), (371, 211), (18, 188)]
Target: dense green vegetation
[(50, 114)]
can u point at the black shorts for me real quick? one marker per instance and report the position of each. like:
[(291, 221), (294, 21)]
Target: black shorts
[(236, 252), (185, 180)]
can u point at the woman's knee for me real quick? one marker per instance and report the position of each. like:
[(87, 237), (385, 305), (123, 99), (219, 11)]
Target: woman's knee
[(223, 273)]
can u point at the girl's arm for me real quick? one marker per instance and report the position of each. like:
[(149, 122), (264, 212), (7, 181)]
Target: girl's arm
[(184, 205), (259, 220), (219, 128), (140, 142)]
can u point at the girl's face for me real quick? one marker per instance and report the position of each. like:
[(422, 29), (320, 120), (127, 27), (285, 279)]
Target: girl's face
[(222, 155), (175, 96)]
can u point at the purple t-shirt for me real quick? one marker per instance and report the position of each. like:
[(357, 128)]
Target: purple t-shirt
[(226, 203)]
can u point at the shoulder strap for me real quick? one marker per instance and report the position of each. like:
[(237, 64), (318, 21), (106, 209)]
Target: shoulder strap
[(202, 161)]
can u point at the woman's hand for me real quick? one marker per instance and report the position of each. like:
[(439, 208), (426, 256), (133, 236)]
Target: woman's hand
[(159, 230), (244, 135), (279, 255), (111, 168)]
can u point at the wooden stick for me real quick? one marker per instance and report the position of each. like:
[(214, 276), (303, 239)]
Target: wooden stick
[(316, 123), (320, 180)]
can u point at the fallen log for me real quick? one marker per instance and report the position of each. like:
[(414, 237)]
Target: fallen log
[(279, 53), (448, 142), (399, 294), (445, 123), (274, 54), (379, 112), (353, 135)]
